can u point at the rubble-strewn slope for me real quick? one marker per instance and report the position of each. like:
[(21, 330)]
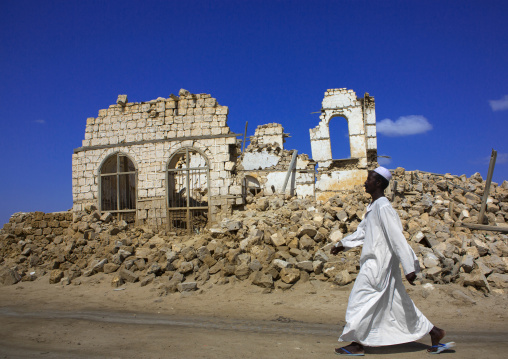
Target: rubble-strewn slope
[(274, 242)]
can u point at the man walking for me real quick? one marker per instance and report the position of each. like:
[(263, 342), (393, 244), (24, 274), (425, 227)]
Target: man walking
[(380, 312)]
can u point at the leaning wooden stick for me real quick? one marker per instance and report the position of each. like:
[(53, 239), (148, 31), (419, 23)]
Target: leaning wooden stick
[(487, 186)]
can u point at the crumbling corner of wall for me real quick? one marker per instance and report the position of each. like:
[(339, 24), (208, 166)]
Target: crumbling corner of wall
[(122, 100)]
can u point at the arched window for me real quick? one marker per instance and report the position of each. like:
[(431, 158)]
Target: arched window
[(188, 190), (118, 184)]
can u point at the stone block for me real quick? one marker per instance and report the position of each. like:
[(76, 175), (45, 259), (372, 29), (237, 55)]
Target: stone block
[(289, 275), (434, 273), (187, 286), (128, 275), (475, 279), (306, 243), (498, 280), (430, 260), (342, 278), (185, 267), (242, 271), (308, 230), (9, 276), (321, 256), (469, 250), (55, 276), (279, 263), (336, 236), (277, 239), (210, 102), (110, 268), (498, 248), (467, 263), (306, 266), (262, 280)]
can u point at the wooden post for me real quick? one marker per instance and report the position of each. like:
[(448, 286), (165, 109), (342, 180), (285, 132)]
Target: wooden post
[(482, 227), (244, 136), (394, 189), (290, 169), (487, 186)]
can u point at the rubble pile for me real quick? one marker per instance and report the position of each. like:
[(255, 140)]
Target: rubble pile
[(274, 242)]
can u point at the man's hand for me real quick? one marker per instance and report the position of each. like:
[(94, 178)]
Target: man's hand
[(336, 250), (411, 278)]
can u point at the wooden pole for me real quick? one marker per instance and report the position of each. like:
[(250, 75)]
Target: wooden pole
[(290, 169), (245, 136), (487, 186), (482, 227)]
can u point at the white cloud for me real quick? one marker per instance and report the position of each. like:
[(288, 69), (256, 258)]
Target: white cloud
[(501, 158), (404, 126), (499, 105), (42, 122), (383, 161)]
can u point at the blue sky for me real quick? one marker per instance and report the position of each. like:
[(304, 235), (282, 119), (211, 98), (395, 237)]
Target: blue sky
[(437, 69)]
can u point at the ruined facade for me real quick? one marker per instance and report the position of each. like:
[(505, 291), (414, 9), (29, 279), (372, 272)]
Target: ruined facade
[(334, 175), (150, 161), (267, 166), (175, 164)]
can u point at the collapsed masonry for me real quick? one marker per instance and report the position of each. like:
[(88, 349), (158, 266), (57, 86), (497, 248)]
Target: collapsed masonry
[(266, 166), (276, 242), (174, 164)]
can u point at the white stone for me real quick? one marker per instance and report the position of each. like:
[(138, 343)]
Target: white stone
[(336, 236)]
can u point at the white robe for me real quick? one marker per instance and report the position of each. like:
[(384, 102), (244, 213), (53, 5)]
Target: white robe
[(380, 312)]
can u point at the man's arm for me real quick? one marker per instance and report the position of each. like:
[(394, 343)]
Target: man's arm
[(353, 240)]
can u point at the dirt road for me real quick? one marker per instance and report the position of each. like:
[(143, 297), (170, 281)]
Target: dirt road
[(58, 334), (92, 320)]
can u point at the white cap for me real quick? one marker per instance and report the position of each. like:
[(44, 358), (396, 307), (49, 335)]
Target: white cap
[(384, 172)]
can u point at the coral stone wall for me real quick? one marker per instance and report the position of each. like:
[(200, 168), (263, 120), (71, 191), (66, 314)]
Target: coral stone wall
[(266, 161), (335, 175), (361, 117), (149, 133)]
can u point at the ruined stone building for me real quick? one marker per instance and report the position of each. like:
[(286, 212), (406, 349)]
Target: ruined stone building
[(175, 164), (267, 166), (334, 175)]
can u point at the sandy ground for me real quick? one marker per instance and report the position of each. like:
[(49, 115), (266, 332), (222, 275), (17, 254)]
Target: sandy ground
[(236, 320)]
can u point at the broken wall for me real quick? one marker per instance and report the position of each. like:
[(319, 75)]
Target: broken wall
[(149, 134), (180, 149), (335, 175), (265, 165)]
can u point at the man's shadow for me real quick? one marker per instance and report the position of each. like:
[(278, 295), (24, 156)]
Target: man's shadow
[(402, 348)]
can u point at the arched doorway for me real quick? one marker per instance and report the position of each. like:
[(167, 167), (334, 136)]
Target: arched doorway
[(188, 190)]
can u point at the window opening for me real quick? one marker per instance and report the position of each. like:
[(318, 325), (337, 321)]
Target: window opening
[(118, 186), (339, 138), (251, 185)]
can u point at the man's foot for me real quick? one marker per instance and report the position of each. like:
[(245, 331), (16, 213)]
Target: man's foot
[(441, 347), (353, 349), (436, 334)]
